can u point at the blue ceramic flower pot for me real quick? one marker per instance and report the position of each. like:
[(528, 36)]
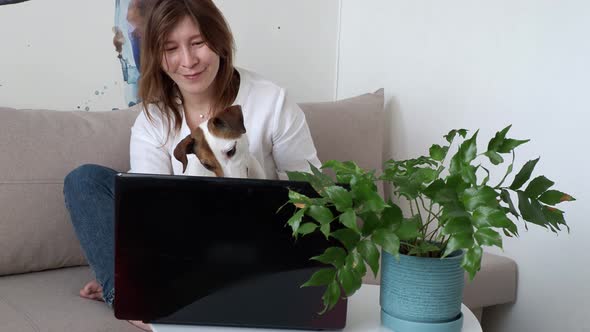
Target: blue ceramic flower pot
[(425, 291)]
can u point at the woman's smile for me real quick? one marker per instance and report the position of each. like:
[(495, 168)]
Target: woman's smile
[(194, 75)]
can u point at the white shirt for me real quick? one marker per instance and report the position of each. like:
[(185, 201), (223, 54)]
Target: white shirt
[(277, 131)]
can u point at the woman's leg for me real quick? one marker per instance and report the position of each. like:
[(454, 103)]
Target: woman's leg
[(89, 192)]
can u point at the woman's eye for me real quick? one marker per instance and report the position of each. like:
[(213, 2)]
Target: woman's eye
[(231, 152), (198, 43), (170, 49)]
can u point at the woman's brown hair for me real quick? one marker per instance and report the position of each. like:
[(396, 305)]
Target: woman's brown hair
[(155, 87)]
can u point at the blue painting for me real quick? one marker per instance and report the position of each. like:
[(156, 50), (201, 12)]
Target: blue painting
[(127, 29), (129, 17)]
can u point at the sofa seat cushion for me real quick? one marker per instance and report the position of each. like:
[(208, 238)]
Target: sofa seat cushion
[(49, 302)]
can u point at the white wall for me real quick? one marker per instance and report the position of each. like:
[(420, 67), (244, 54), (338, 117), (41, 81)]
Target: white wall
[(59, 59), (294, 42), (486, 64), (64, 58)]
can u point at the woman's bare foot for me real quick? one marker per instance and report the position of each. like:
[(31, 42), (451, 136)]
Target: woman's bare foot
[(92, 291), (141, 325)]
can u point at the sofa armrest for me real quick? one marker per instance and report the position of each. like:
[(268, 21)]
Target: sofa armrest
[(494, 284)]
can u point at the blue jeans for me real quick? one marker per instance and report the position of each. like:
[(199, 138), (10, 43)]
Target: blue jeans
[(89, 192)]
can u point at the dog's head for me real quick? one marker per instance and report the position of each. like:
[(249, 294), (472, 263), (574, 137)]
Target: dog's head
[(220, 144)]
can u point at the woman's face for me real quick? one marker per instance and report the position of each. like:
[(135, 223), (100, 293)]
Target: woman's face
[(188, 61)]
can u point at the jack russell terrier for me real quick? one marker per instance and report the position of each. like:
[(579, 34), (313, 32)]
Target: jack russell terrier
[(221, 147)]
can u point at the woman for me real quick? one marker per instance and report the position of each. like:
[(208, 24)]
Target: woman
[(187, 76)]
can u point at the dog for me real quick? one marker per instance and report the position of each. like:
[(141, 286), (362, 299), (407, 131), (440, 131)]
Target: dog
[(221, 146)]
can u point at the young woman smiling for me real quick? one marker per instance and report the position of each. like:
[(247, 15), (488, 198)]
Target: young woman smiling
[(187, 76)]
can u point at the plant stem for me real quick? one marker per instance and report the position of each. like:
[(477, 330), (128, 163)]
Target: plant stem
[(424, 206), (431, 234), (428, 222), (508, 171), (409, 245), (418, 208), (434, 217), (435, 231), (444, 243), (441, 166)]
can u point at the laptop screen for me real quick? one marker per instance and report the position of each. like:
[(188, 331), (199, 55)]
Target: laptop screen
[(215, 251)]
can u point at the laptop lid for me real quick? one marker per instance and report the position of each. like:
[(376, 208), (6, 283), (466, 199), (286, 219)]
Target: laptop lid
[(215, 251)]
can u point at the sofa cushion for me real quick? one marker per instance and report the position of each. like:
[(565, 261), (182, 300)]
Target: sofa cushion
[(37, 149), (42, 145), (349, 129), (49, 302), (494, 284)]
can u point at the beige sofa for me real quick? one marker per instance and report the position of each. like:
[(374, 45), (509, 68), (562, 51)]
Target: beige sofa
[(41, 264)]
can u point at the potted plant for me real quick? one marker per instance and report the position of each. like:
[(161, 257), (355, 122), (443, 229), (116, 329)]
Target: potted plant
[(454, 211)]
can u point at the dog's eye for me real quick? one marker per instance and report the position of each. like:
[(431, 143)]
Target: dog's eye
[(208, 167), (231, 152)]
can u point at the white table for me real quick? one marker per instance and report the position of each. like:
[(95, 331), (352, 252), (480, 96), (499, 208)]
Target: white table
[(364, 315)]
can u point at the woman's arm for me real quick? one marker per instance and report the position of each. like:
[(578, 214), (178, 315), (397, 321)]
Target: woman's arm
[(293, 147), (147, 151)]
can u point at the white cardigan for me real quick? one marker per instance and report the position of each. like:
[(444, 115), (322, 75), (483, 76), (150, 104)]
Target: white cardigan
[(277, 131)]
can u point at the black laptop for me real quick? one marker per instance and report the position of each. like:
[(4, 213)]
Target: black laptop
[(214, 251)]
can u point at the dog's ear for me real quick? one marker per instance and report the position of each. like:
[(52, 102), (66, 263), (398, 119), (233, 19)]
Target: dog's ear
[(228, 124), (204, 153), (184, 147)]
